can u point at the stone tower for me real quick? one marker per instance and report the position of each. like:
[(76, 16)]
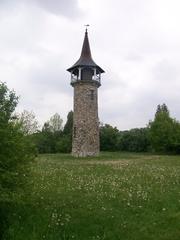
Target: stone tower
[(85, 78)]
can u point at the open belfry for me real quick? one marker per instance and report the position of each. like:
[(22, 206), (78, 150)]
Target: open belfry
[(86, 79)]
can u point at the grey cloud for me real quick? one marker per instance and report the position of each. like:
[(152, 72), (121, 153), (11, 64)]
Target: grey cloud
[(50, 79), (133, 56), (67, 8), (165, 71), (136, 45)]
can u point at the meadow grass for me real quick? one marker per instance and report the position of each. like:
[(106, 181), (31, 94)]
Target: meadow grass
[(114, 196)]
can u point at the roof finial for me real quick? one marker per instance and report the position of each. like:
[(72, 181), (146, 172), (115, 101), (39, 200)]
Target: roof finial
[(86, 25)]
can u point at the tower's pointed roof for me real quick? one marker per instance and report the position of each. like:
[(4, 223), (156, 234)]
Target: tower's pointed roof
[(85, 58)]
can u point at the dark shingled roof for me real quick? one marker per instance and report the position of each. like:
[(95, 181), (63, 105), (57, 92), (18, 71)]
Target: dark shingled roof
[(85, 58)]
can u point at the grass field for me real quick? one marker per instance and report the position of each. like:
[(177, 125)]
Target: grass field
[(115, 196)]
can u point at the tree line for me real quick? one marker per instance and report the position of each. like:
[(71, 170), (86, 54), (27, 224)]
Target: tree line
[(161, 135)]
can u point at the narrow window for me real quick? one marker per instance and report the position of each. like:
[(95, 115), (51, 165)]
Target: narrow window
[(92, 94)]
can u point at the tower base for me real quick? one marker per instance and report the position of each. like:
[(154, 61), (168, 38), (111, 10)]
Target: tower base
[(84, 154)]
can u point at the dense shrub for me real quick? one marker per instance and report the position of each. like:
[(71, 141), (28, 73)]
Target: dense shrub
[(108, 138), (53, 138), (64, 144), (134, 140)]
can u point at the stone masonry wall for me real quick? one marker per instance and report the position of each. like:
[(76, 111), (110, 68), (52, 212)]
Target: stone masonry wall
[(85, 122)]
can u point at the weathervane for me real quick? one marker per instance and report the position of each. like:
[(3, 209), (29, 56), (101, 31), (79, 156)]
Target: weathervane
[(86, 25)]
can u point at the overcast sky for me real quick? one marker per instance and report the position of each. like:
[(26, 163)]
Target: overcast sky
[(137, 43)]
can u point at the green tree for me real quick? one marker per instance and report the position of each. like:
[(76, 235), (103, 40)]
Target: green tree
[(28, 122), (69, 124), (45, 139), (134, 140), (16, 151), (51, 132), (64, 143), (55, 123), (8, 103), (164, 131), (108, 138)]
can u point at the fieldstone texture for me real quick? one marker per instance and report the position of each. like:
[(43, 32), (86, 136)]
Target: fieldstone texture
[(85, 120)]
